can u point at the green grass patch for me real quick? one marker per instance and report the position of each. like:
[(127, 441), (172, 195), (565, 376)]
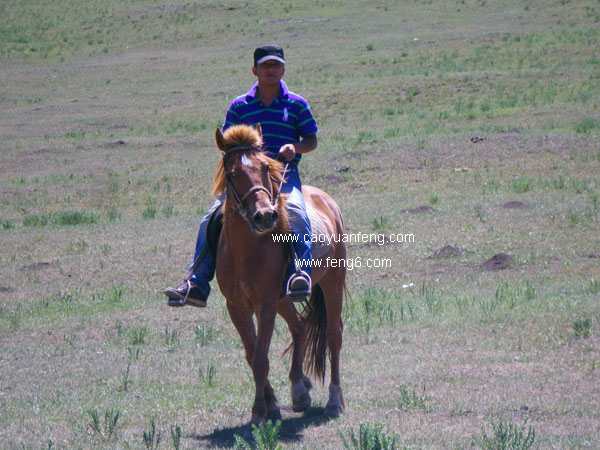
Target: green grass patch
[(62, 218)]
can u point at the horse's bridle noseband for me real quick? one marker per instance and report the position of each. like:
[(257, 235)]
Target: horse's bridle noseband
[(242, 209)]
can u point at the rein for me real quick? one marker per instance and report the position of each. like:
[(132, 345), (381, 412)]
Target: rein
[(242, 209)]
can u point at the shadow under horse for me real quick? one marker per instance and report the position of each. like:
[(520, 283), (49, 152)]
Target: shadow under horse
[(252, 266)]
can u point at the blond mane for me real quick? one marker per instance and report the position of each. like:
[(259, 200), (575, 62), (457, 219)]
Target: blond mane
[(247, 136)]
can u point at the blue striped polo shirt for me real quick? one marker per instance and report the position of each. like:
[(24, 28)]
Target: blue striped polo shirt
[(285, 121)]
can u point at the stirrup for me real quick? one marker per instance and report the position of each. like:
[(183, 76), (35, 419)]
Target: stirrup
[(298, 295), (175, 302)]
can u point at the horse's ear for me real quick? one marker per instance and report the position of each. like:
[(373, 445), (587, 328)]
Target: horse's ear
[(259, 129), (220, 140)]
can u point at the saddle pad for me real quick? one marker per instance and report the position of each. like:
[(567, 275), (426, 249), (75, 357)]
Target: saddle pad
[(319, 232)]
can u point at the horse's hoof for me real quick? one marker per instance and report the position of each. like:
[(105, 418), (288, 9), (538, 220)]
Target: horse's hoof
[(333, 412), (274, 415), (303, 403)]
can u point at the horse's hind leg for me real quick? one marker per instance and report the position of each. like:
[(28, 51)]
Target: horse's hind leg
[(301, 384), (333, 290)]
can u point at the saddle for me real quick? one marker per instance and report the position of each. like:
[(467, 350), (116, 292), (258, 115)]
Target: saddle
[(213, 231), (319, 246)]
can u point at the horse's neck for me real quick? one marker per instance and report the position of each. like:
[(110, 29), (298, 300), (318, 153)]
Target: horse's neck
[(238, 232)]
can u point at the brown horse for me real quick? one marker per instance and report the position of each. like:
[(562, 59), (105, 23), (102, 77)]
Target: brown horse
[(251, 267)]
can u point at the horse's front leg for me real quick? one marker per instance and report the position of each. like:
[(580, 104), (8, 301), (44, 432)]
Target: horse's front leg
[(273, 410), (260, 362), (243, 323), (301, 384)]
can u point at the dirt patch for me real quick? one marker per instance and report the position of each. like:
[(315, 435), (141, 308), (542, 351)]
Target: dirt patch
[(498, 262), (448, 250), (418, 209), (115, 144), (515, 205), (36, 266), (333, 179), (476, 139)]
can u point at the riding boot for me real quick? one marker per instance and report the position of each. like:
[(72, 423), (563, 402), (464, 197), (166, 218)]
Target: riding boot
[(299, 282), (194, 290)]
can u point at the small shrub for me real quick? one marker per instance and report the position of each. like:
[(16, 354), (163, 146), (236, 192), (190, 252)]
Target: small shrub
[(581, 328), (134, 353), (488, 307), (75, 134), (412, 400), (506, 437), (593, 195), (78, 248), (149, 212), (265, 438), (587, 125), (380, 223), (106, 430), (479, 213), (522, 183), (138, 335), (205, 334), (433, 302), (74, 218), (34, 220), (579, 186), (593, 286), (63, 218), (176, 435), (209, 376), (529, 292), (434, 198), (152, 437), (126, 380), (113, 215), (368, 439), (171, 338)]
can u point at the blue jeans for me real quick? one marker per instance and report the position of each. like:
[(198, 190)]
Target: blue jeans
[(299, 224)]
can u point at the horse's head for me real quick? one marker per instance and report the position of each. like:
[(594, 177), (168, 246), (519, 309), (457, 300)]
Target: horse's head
[(250, 178)]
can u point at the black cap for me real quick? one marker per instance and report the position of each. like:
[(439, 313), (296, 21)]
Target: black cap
[(267, 53)]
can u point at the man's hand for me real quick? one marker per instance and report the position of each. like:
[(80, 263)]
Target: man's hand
[(287, 152)]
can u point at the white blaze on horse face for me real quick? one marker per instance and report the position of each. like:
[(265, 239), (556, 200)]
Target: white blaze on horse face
[(246, 161)]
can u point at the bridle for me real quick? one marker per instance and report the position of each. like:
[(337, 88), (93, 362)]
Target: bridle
[(242, 209)]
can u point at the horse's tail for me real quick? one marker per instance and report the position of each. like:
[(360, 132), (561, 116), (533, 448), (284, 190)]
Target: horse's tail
[(315, 349)]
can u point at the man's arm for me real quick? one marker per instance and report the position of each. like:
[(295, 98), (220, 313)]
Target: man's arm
[(307, 144)]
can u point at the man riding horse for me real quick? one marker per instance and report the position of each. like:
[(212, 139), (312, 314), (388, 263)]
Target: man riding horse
[(289, 131)]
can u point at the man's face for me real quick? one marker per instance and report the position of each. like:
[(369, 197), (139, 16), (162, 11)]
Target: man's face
[(269, 72)]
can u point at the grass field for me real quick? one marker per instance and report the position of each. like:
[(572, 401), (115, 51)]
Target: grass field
[(469, 127)]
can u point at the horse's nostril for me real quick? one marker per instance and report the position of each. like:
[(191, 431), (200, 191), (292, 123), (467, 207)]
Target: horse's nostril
[(265, 219)]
